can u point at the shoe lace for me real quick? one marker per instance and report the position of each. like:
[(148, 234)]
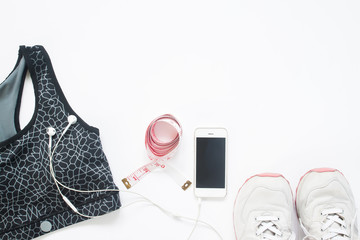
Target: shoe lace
[(267, 228), (334, 225)]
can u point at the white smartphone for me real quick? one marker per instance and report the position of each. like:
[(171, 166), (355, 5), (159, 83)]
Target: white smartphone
[(210, 162)]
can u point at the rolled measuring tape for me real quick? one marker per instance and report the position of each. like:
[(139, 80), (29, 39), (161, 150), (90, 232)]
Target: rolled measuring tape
[(162, 140)]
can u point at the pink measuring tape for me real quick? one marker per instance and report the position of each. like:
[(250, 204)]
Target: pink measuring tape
[(162, 140)]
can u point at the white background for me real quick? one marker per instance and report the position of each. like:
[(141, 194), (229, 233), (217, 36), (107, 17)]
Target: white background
[(281, 76)]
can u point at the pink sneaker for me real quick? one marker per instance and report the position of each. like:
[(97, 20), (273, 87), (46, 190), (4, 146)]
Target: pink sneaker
[(264, 209)]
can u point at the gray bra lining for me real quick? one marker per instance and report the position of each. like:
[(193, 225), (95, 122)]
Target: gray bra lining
[(9, 92)]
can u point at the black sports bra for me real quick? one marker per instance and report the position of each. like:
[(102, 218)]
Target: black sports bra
[(30, 203)]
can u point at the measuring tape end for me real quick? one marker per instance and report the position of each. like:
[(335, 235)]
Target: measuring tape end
[(186, 185), (126, 183)]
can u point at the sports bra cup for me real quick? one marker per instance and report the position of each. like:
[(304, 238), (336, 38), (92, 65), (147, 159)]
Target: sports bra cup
[(28, 194)]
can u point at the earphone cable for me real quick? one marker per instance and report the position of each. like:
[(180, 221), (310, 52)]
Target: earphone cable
[(67, 201), (197, 218)]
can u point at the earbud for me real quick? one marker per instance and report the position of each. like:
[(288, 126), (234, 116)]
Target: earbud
[(72, 119), (50, 131)]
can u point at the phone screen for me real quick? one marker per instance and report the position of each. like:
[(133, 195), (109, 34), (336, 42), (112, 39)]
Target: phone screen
[(210, 162)]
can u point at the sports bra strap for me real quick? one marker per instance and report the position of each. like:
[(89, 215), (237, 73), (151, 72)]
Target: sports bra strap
[(49, 96), (42, 74), (36, 61)]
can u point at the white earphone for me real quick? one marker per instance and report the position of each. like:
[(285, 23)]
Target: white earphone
[(72, 119), (50, 131)]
